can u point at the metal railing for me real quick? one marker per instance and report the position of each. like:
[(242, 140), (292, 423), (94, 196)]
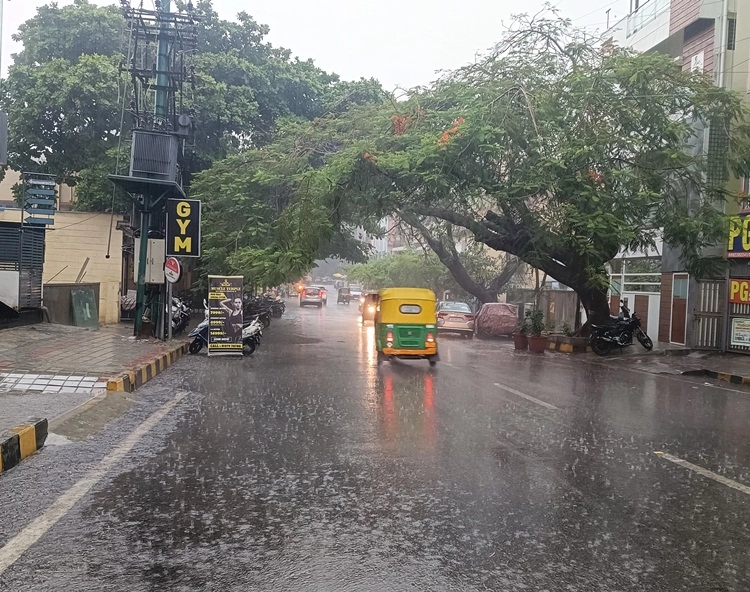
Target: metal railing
[(645, 14)]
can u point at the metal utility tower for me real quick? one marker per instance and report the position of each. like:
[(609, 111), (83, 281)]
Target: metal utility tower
[(161, 46)]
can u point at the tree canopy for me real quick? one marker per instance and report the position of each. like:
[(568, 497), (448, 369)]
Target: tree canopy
[(422, 268), (64, 91), (554, 151)]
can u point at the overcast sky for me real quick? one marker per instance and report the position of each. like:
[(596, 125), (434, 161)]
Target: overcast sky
[(399, 42)]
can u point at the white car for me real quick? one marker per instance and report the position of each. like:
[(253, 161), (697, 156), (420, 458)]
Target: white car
[(356, 291)]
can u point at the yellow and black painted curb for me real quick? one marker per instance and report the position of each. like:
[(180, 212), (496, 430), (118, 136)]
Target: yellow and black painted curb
[(21, 442), (568, 345), (727, 377), (131, 380)]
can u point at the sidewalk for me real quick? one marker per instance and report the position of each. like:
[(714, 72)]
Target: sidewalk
[(728, 367), (47, 370)]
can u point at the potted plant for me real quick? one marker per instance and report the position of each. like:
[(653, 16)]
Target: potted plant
[(521, 334), (537, 341)]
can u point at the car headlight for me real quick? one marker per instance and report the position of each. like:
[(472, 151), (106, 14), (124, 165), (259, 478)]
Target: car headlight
[(371, 308)]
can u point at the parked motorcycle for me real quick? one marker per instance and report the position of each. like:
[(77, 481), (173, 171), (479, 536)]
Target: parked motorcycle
[(180, 316), (620, 334)]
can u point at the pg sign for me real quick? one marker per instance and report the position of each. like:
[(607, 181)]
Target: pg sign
[(739, 291), (739, 237), (183, 228)]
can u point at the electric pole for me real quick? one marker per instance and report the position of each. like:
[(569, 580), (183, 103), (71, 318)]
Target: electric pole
[(156, 149)]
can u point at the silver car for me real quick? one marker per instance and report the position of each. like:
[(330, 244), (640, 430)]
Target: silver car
[(312, 296), (323, 294), (455, 317)]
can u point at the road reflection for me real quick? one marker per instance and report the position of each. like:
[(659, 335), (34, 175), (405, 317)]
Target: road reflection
[(408, 413)]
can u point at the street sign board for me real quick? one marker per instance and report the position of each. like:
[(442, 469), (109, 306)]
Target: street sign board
[(39, 198), (172, 270), (183, 227)]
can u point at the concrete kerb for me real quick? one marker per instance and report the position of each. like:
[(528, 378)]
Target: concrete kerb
[(720, 376), (131, 380), (21, 442)]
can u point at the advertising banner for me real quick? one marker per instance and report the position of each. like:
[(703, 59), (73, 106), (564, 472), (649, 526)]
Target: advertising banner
[(183, 228), (225, 315)]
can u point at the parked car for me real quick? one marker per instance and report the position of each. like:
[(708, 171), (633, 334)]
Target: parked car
[(311, 295), (455, 317), (496, 319), (323, 294)]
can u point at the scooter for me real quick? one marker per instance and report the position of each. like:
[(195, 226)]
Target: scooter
[(199, 335), (252, 332)]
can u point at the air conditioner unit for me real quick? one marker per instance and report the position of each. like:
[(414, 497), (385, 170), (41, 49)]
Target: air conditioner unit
[(153, 155)]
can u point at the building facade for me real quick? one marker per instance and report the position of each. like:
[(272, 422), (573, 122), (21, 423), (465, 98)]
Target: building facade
[(78, 248), (711, 37)]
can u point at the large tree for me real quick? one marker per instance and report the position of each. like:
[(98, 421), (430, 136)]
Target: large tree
[(64, 93), (554, 151)]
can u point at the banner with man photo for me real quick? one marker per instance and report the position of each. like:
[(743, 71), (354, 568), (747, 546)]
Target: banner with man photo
[(225, 315)]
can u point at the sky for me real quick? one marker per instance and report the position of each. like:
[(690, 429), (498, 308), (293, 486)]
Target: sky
[(402, 43)]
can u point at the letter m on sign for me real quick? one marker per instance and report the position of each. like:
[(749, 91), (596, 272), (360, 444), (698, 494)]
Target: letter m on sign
[(183, 228)]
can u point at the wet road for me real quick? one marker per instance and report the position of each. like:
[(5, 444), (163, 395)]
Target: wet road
[(306, 467)]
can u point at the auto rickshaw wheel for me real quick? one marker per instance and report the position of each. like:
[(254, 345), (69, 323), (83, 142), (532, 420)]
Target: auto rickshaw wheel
[(381, 357)]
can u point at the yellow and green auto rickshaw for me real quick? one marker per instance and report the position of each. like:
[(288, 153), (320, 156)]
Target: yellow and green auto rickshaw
[(406, 325)]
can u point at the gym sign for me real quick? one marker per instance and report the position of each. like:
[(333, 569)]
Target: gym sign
[(183, 228), (739, 237)]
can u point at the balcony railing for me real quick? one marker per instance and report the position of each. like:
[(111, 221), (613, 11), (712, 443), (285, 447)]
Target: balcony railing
[(645, 14)]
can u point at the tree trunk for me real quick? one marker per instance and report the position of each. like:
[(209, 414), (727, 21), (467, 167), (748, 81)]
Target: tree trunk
[(449, 257), (595, 303)]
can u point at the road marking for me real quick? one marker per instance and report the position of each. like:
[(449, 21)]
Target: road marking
[(527, 397), (705, 472), (19, 544)]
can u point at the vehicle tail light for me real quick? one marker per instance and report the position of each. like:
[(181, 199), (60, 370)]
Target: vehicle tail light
[(442, 315), (469, 317), (389, 338), (430, 337)]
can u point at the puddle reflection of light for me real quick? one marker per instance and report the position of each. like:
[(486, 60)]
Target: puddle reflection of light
[(389, 407), (370, 342), (429, 416), (367, 356)]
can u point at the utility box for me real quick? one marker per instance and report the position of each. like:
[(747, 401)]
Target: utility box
[(155, 256)]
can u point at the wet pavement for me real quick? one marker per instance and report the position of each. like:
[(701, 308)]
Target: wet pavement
[(47, 369), (307, 467)]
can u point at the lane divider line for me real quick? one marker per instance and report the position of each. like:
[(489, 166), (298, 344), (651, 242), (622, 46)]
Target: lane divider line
[(704, 472), (19, 544), (527, 397)]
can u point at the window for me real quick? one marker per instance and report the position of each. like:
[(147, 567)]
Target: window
[(731, 33), (410, 308)]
